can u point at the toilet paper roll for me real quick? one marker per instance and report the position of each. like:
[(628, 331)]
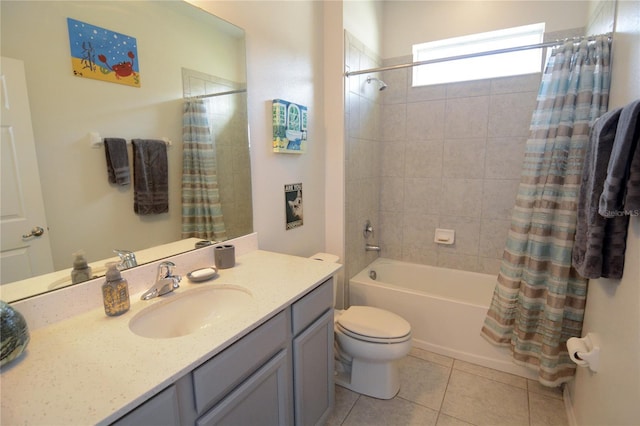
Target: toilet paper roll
[(224, 256), (577, 346)]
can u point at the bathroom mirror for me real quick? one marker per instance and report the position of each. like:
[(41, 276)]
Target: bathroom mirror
[(83, 210)]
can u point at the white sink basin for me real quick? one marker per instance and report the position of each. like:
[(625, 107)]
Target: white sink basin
[(180, 314)]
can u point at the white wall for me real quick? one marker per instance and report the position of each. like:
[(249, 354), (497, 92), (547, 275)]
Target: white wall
[(409, 22), (284, 60), (611, 395)]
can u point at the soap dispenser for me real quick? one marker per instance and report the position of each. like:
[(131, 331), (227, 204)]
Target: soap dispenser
[(81, 271), (115, 291)]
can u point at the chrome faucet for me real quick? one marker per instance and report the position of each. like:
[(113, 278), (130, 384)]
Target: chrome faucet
[(127, 259), (371, 247), (165, 283)]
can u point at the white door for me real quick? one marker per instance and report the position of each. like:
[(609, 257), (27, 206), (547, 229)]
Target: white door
[(21, 206)]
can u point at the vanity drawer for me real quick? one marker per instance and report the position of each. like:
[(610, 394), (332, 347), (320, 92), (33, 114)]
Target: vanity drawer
[(218, 376), (311, 306)]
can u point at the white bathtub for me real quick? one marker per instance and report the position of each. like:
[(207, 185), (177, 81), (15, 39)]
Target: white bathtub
[(446, 309)]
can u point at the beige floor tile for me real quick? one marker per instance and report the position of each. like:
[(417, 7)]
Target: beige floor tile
[(546, 411), (423, 382), (345, 399), (482, 401), (537, 387), (489, 373), (444, 420), (392, 412), (431, 357)]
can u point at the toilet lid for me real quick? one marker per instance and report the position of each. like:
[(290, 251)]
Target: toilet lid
[(375, 323)]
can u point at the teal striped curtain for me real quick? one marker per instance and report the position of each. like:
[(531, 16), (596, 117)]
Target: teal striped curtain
[(539, 299), (201, 208)]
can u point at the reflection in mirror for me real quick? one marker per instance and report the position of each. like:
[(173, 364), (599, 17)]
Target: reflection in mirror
[(83, 210)]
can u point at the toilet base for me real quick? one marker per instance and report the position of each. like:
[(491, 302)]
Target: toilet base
[(376, 379)]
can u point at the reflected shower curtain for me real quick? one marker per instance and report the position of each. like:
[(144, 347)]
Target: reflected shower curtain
[(201, 208), (539, 299)]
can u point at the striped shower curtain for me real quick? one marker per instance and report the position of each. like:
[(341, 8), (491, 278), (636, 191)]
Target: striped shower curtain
[(201, 208), (539, 299)]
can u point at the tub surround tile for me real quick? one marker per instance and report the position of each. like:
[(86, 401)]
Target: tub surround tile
[(461, 197), (392, 194), (423, 159), (517, 84), (504, 157), (421, 195), (466, 117), (489, 265), (425, 120), (499, 197), (493, 236), (510, 114), (415, 254), (467, 235), (425, 93), (453, 150), (482, 401), (464, 158), (466, 89), (465, 262), (392, 159), (394, 122)]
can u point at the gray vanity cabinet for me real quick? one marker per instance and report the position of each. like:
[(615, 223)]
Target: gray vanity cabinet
[(162, 409), (279, 374), (312, 324)]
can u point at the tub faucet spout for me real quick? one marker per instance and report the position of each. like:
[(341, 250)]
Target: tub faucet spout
[(371, 247)]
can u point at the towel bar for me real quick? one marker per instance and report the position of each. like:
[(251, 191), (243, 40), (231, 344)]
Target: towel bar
[(96, 141)]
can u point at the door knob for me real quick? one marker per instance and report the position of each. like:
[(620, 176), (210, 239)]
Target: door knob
[(35, 232)]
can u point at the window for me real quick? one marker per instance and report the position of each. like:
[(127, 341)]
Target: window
[(480, 67)]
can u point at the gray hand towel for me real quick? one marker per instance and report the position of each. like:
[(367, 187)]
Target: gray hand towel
[(621, 191), (150, 177), (117, 161), (599, 242)]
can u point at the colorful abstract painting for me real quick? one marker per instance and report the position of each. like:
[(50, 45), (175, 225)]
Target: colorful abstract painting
[(289, 127), (102, 54)]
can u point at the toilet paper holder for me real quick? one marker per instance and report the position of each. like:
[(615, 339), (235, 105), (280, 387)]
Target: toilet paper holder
[(585, 351)]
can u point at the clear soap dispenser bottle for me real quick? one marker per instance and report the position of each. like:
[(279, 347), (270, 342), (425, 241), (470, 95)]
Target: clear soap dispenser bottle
[(81, 270), (115, 291)]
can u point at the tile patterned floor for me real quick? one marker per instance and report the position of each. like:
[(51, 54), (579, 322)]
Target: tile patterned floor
[(442, 391)]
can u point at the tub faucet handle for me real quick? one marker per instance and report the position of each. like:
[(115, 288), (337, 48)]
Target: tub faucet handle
[(368, 229)]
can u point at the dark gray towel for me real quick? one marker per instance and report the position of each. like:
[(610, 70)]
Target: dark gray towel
[(150, 177), (621, 191), (599, 242), (117, 161)]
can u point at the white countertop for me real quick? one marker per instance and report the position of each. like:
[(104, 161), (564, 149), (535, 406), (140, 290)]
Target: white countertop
[(91, 368)]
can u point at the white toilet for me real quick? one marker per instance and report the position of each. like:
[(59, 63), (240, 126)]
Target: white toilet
[(369, 342)]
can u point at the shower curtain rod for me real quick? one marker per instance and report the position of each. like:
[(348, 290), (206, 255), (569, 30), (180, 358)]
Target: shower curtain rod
[(230, 92), (473, 55)]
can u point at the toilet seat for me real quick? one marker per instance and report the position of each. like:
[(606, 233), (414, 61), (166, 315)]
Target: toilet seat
[(374, 325)]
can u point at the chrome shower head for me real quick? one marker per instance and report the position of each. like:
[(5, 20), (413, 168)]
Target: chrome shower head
[(381, 84)]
